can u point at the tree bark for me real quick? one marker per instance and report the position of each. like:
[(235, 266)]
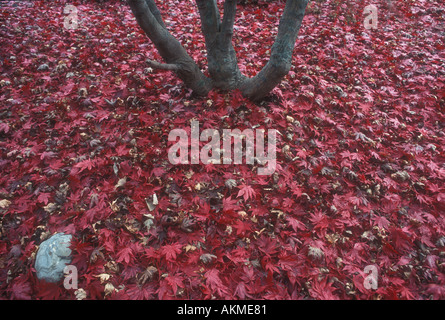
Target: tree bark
[(221, 57), (174, 54), (280, 60)]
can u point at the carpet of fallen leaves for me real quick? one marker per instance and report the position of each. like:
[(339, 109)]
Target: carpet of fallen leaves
[(360, 173)]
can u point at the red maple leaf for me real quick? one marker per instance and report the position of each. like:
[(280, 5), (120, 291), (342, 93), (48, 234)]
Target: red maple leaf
[(170, 251), (241, 227), (214, 282), (43, 197), (295, 224), (124, 255), (323, 290), (230, 204), (381, 221), (240, 290), (246, 191), (436, 290), (21, 290), (86, 164), (175, 281), (4, 127), (136, 292)]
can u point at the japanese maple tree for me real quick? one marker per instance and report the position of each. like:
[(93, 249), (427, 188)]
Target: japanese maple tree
[(222, 61)]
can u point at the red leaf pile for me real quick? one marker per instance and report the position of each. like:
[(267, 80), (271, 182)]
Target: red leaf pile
[(360, 164)]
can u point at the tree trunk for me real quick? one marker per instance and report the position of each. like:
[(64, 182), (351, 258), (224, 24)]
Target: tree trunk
[(221, 56)]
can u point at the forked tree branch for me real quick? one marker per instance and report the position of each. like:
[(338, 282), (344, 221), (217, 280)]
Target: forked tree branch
[(170, 49), (221, 56)]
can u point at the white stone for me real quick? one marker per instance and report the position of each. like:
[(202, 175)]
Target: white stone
[(52, 257)]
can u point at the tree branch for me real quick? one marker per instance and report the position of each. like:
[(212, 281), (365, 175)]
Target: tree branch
[(146, 20), (155, 11), (228, 20), (162, 66), (176, 57), (210, 18), (280, 60)]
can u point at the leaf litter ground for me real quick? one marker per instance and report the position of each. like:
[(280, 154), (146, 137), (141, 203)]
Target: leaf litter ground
[(360, 173)]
